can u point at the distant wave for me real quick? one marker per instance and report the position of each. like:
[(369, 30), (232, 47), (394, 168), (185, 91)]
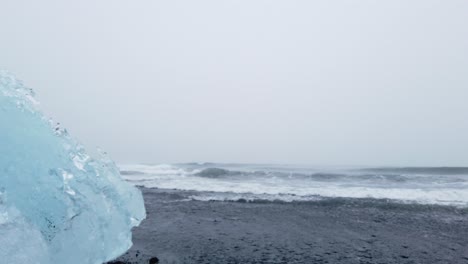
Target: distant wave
[(422, 170), (219, 173), (357, 177), (216, 173)]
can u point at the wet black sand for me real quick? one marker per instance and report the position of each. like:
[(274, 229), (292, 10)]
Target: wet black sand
[(327, 231)]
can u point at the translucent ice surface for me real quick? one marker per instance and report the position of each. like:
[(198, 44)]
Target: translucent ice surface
[(57, 204)]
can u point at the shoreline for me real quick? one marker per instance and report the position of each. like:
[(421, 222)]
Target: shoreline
[(330, 230)]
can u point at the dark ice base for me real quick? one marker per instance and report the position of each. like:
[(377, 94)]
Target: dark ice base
[(326, 231)]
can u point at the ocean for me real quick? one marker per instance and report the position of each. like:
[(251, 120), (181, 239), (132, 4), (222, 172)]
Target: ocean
[(288, 183)]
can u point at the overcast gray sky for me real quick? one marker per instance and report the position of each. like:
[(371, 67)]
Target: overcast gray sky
[(312, 82)]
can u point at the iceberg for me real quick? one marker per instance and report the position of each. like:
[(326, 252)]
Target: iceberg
[(58, 205)]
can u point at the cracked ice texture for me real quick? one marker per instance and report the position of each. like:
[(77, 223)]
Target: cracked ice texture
[(57, 204)]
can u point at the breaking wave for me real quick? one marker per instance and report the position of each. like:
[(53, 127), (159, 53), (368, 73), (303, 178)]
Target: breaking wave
[(447, 186)]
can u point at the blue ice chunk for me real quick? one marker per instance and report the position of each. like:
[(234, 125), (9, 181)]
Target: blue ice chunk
[(57, 203)]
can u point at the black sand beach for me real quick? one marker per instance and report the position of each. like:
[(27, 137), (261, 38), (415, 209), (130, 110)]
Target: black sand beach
[(178, 230)]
